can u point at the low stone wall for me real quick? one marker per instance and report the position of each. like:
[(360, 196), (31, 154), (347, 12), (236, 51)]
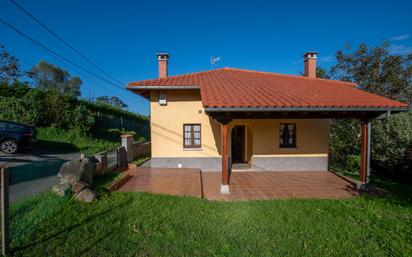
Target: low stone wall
[(135, 149), (120, 157), (102, 160)]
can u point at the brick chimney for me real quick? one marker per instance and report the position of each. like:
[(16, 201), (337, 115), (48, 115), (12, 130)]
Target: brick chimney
[(162, 59), (310, 64)]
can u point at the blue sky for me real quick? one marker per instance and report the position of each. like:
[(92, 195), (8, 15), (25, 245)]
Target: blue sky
[(122, 37)]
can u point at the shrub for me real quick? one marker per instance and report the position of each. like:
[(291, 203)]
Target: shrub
[(26, 109), (390, 138), (19, 102), (344, 141), (82, 118), (58, 109), (353, 164)]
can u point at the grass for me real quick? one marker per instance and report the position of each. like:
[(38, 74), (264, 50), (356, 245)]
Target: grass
[(141, 224), (72, 140)]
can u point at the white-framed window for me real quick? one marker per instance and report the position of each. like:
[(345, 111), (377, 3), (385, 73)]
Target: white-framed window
[(192, 136)]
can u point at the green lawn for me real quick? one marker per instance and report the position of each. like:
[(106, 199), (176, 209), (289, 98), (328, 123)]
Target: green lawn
[(141, 224)]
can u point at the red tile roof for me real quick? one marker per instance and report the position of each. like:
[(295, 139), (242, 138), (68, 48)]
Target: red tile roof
[(235, 88)]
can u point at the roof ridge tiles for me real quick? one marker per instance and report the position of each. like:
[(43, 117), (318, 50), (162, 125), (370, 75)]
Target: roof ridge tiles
[(206, 72)]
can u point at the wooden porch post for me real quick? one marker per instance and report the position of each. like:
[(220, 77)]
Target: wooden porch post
[(224, 189), (364, 151)]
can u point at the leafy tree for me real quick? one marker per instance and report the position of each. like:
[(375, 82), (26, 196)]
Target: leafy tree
[(49, 77), (9, 67), (113, 101), (16, 89), (377, 71), (322, 73), (390, 138)]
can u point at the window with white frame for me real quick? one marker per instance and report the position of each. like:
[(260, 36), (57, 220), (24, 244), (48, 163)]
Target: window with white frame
[(192, 136)]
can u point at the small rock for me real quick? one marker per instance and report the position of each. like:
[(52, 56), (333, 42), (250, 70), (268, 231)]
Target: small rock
[(61, 189), (79, 186), (87, 195)]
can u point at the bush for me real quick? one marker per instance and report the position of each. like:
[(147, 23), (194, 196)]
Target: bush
[(390, 138), (353, 164), (19, 102), (57, 109), (26, 109), (82, 118), (344, 141)]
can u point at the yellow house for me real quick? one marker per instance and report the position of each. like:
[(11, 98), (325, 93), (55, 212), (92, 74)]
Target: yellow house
[(230, 119)]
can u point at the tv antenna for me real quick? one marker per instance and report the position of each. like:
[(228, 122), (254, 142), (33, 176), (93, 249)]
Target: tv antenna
[(214, 60)]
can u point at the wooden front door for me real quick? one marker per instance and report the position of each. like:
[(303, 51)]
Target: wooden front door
[(238, 144)]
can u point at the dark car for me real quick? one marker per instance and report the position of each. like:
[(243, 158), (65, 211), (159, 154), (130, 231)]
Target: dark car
[(15, 136)]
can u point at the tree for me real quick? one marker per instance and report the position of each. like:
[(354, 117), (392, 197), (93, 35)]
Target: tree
[(322, 73), (49, 77), (113, 101), (376, 70), (9, 67)]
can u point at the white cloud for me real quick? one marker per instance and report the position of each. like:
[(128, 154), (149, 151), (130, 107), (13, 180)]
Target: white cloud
[(399, 37), (400, 49)]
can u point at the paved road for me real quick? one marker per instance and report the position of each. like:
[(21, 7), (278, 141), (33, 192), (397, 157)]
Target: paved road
[(38, 155), (33, 172), (30, 188)]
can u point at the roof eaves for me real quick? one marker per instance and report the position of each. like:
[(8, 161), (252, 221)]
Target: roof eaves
[(163, 87), (306, 109)]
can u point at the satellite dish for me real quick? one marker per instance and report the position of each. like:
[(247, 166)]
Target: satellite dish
[(214, 60)]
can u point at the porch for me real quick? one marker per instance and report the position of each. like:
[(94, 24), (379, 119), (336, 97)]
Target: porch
[(315, 159), (244, 185)]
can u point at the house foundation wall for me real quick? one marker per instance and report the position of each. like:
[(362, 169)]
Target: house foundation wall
[(290, 163), (259, 163), (203, 163)]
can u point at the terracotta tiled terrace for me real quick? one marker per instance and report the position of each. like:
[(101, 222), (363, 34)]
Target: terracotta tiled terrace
[(243, 185)]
